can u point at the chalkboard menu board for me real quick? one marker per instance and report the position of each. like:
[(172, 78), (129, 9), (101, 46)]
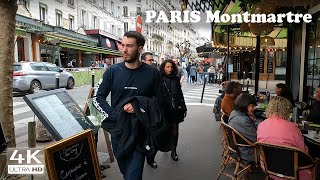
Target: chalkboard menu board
[(270, 62), (235, 59), (261, 62), (73, 158), (59, 113), (3, 141)]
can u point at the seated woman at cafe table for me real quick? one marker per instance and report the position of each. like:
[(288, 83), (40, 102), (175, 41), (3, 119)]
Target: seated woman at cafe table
[(242, 119), (233, 90), (284, 91), (277, 129), (314, 115)]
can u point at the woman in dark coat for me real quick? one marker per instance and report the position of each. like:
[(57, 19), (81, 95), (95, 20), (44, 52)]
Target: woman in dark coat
[(170, 90), (284, 91)]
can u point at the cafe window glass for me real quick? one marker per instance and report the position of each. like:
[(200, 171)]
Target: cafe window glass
[(313, 53)]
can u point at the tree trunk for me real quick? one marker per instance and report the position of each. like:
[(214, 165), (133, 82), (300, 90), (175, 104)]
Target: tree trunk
[(8, 9)]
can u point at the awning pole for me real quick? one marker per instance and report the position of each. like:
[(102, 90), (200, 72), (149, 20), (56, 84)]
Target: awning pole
[(256, 78), (228, 44)]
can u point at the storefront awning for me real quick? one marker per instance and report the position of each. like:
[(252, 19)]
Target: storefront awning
[(75, 44), (20, 32), (89, 48)]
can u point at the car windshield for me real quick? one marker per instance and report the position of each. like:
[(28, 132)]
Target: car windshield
[(17, 67)]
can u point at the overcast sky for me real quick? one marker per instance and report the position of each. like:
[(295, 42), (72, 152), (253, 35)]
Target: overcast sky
[(202, 27)]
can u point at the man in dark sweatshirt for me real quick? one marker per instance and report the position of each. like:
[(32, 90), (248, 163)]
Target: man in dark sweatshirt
[(124, 80)]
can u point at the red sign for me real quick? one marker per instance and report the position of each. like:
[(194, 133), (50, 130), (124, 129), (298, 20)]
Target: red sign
[(92, 31), (139, 24)]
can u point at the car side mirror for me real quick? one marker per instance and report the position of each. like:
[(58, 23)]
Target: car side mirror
[(60, 70)]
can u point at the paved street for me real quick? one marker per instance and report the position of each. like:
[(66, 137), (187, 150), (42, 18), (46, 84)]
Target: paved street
[(199, 143), (23, 114)]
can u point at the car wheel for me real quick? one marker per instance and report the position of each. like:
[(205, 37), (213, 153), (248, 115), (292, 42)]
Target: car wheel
[(70, 83), (35, 86)]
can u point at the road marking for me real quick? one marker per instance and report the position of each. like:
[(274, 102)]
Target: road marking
[(22, 122), (21, 110), (18, 103), (199, 104), (197, 95)]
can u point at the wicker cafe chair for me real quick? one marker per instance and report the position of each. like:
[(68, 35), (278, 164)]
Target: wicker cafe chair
[(225, 149), (234, 140), (284, 161)]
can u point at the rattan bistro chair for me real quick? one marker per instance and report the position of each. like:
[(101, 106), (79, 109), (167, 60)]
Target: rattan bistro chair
[(284, 161), (225, 149), (234, 140)]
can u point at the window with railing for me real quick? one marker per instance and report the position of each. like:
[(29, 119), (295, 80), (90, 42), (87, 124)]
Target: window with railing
[(58, 18), (71, 22), (125, 11), (71, 2), (43, 12), (25, 3), (139, 11), (112, 8)]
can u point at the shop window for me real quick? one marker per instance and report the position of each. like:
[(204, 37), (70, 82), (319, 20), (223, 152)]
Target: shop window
[(281, 58)]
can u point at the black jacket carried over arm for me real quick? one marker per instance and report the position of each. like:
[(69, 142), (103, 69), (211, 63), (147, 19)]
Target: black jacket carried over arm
[(144, 130)]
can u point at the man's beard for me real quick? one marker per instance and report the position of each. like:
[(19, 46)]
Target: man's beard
[(132, 58)]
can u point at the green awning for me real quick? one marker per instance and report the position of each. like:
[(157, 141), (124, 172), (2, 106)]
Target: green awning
[(74, 44), (88, 48), (20, 32)]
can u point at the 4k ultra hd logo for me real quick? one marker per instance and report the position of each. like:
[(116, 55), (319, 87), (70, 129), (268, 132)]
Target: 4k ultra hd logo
[(25, 161)]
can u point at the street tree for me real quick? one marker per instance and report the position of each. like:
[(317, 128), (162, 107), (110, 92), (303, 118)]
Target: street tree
[(8, 10), (184, 49)]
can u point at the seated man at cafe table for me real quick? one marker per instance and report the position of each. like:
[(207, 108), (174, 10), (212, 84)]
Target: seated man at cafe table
[(233, 90), (314, 115), (277, 129), (242, 119)]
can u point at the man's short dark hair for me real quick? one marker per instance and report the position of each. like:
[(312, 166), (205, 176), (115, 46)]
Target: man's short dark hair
[(232, 86), (138, 36), (143, 56), (243, 101)]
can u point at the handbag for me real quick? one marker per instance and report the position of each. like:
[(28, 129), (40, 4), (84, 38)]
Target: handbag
[(175, 103)]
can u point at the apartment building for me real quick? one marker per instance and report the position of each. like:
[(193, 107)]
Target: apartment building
[(161, 38), (63, 31)]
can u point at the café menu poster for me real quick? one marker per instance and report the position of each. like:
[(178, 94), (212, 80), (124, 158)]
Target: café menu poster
[(74, 162)]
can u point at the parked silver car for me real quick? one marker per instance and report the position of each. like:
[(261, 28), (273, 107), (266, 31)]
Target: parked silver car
[(33, 76)]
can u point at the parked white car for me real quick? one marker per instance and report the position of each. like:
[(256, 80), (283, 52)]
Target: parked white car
[(33, 76)]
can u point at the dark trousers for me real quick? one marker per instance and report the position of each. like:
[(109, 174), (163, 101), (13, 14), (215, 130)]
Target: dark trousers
[(193, 79), (174, 139), (131, 166)]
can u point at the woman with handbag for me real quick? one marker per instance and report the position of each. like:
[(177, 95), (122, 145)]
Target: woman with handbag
[(172, 101)]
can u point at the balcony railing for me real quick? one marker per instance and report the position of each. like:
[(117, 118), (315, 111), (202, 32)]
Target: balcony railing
[(157, 36)]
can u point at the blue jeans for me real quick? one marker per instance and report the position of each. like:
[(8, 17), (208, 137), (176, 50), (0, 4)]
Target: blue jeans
[(131, 166)]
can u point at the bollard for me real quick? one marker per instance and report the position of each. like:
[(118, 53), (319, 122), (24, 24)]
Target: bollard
[(57, 80), (32, 134), (248, 84), (204, 86), (92, 79)]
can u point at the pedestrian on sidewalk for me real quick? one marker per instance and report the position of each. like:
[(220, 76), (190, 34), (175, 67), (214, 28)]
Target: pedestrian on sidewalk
[(193, 73), (172, 101), (125, 80)]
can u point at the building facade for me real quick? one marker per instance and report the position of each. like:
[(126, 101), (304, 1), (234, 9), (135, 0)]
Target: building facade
[(161, 38), (55, 31)]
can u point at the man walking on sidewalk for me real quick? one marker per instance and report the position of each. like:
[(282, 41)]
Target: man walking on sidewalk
[(124, 80)]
